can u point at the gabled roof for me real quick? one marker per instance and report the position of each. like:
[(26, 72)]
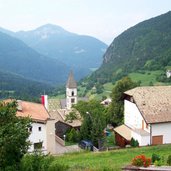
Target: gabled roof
[(36, 111), (153, 102), (71, 83), (124, 131)]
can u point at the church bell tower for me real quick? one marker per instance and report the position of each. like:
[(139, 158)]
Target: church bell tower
[(71, 91)]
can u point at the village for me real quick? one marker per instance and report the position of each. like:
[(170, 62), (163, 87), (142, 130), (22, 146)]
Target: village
[(146, 118), (85, 85)]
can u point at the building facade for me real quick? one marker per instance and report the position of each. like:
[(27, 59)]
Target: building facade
[(71, 91), (42, 130), (147, 115)]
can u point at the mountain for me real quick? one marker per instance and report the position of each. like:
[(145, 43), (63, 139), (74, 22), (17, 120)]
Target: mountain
[(145, 46), (15, 86), (17, 57), (79, 52)]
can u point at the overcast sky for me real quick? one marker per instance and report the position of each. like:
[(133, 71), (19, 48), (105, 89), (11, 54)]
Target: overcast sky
[(103, 19)]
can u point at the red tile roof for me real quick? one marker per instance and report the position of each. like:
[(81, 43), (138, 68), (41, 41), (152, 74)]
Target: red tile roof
[(36, 111)]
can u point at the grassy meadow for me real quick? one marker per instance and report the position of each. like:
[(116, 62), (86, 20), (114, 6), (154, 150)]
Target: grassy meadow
[(109, 160)]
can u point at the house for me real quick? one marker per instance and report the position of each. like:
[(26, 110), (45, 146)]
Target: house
[(147, 116), (168, 73), (42, 130), (106, 102)]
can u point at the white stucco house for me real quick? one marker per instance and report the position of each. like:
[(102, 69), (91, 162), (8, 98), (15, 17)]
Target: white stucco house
[(147, 116), (168, 73), (42, 130)]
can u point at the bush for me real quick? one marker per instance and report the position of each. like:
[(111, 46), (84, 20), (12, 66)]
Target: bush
[(169, 160), (45, 162), (31, 162), (155, 157), (141, 160), (55, 166), (158, 163), (72, 135), (36, 162), (134, 143)]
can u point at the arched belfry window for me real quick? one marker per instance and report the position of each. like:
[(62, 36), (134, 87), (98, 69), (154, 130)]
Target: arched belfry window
[(72, 93)]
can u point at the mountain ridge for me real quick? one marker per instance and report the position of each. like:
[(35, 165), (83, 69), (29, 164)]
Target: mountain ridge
[(69, 48), (145, 46)]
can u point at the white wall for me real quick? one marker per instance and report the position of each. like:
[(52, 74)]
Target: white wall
[(162, 129), (69, 97), (37, 136), (50, 131), (143, 140), (133, 117)]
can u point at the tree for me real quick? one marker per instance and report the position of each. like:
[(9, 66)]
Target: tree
[(116, 108), (94, 120), (13, 136)]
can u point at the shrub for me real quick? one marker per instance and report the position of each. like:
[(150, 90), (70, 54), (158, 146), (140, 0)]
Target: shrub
[(45, 162), (55, 166), (141, 160), (72, 135), (155, 157), (134, 143), (36, 162), (31, 162), (158, 163), (169, 160)]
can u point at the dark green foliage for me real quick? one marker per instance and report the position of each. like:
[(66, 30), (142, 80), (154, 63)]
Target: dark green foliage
[(169, 160), (134, 143), (146, 46), (71, 116), (115, 111), (39, 162), (94, 120), (155, 157), (72, 135), (15, 86), (31, 162), (56, 166), (13, 136)]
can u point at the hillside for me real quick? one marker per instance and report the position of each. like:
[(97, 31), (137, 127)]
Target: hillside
[(111, 160), (15, 86), (146, 46), (17, 57), (80, 52)]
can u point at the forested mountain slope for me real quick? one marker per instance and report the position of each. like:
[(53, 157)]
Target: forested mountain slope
[(17, 57), (15, 86), (145, 46)]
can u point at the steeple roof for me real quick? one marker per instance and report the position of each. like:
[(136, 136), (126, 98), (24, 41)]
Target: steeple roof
[(71, 83)]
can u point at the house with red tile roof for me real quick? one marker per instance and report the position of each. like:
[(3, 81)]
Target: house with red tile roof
[(42, 130), (147, 116)]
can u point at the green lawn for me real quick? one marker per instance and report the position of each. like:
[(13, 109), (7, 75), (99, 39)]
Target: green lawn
[(146, 78), (111, 160)]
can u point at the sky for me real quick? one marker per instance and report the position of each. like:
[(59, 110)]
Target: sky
[(102, 19)]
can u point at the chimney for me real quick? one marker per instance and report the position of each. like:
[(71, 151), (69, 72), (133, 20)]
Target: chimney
[(19, 105), (44, 99)]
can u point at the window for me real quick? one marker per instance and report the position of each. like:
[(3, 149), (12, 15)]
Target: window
[(72, 100), (30, 129), (39, 128), (72, 93), (37, 145)]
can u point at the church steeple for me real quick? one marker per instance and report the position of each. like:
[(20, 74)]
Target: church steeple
[(71, 91), (71, 83)]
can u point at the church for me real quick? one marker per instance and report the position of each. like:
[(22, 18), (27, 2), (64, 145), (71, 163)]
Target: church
[(59, 109)]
